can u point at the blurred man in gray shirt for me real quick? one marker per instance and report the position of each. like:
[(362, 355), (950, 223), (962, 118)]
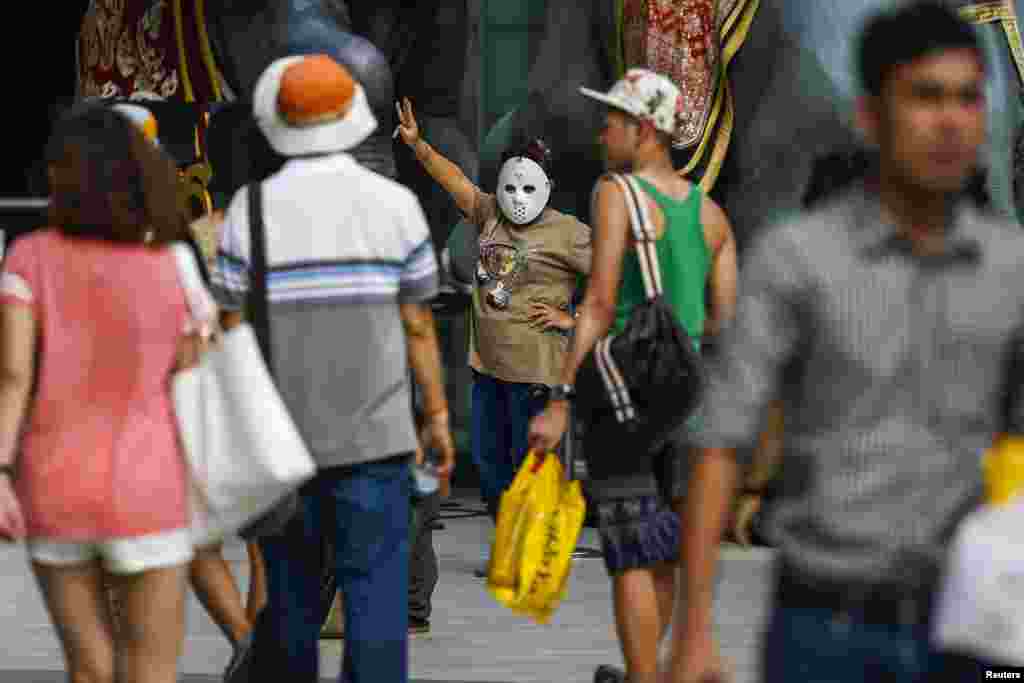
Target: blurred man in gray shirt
[(894, 306)]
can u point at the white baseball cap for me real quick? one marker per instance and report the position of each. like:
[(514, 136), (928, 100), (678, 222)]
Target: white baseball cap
[(646, 95)]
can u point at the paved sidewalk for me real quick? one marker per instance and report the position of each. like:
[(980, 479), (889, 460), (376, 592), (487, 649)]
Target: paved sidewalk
[(473, 639)]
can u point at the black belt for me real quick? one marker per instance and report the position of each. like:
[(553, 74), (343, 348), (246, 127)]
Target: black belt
[(873, 603)]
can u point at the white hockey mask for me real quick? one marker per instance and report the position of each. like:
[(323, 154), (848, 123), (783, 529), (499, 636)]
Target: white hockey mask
[(523, 190)]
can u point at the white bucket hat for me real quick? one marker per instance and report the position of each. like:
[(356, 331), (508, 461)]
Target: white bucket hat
[(324, 131), (646, 95)]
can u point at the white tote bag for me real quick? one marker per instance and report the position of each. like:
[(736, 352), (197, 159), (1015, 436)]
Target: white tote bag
[(980, 607), (242, 447)]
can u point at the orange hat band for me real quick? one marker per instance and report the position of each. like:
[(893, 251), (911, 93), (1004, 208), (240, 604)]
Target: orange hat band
[(315, 90), (303, 119)]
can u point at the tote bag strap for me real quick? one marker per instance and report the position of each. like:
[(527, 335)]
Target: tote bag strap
[(257, 302), (643, 233), (201, 306)]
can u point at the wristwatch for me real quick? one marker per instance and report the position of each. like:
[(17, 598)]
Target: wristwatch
[(562, 392)]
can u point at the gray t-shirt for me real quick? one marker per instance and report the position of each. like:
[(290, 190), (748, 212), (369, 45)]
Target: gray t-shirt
[(346, 247)]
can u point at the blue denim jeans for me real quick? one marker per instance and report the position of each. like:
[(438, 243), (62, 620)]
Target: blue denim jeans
[(814, 646), (366, 509), (501, 421)]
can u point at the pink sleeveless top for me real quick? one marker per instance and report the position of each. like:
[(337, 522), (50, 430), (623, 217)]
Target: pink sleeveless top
[(99, 454)]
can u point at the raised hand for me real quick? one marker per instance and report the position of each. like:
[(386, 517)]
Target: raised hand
[(407, 126)]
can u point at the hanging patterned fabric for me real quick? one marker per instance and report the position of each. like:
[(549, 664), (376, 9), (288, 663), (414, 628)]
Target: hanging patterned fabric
[(155, 50), (1004, 13), (144, 49), (678, 39), (691, 42), (1001, 11)]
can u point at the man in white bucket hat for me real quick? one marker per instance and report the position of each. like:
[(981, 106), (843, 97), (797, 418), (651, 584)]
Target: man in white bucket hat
[(349, 257)]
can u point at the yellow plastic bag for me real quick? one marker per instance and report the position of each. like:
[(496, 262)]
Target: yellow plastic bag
[(510, 527), (543, 497), (540, 598), (530, 498), (543, 523), (1003, 467)]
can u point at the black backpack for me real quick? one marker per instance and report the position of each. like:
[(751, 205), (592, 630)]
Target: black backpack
[(641, 384)]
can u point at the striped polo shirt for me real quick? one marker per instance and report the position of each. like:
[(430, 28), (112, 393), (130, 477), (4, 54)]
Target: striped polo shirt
[(345, 247)]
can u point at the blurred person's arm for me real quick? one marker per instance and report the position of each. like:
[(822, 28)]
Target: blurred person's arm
[(611, 240), (597, 312), (229, 274), (17, 367), (769, 450), (18, 337), (744, 378), (723, 274)]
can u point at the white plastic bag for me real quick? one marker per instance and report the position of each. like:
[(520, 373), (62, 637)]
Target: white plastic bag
[(980, 606)]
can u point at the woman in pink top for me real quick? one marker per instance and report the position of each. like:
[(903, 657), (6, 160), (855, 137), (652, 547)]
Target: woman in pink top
[(93, 325)]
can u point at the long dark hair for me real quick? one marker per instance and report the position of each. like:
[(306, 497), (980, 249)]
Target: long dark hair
[(108, 182), (535, 149)]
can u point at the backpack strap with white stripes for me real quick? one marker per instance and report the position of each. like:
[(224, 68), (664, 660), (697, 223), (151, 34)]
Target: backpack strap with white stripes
[(645, 237)]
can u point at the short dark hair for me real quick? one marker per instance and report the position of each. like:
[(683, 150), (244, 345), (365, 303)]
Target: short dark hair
[(109, 181), (835, 172), (534, 149), (665, 139), (910, 31)]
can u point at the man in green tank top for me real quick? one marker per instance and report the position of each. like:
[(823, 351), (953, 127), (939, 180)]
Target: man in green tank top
[(637, 500)]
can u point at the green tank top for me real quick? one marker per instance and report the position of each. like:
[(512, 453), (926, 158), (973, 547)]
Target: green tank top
[(683, 258)]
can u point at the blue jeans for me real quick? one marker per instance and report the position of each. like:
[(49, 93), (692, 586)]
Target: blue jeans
[(366, 510), (812, 646), (501, 420)]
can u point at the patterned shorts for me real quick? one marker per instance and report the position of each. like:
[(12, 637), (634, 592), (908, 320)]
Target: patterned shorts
[(631, 498), (637, 533)]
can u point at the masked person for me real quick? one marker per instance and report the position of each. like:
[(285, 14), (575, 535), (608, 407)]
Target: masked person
[(531, 257)]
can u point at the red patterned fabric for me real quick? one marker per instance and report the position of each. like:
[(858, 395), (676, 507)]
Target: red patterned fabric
[(678, 39), (129, 48)]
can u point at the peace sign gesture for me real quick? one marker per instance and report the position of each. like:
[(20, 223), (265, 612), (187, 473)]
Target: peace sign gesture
[(407, 126)]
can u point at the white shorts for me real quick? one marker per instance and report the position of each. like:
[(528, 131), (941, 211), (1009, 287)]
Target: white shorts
[(118, 555)]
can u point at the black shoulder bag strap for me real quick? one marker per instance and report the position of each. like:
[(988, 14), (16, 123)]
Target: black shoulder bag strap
[(256, 304), (274, 522)]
